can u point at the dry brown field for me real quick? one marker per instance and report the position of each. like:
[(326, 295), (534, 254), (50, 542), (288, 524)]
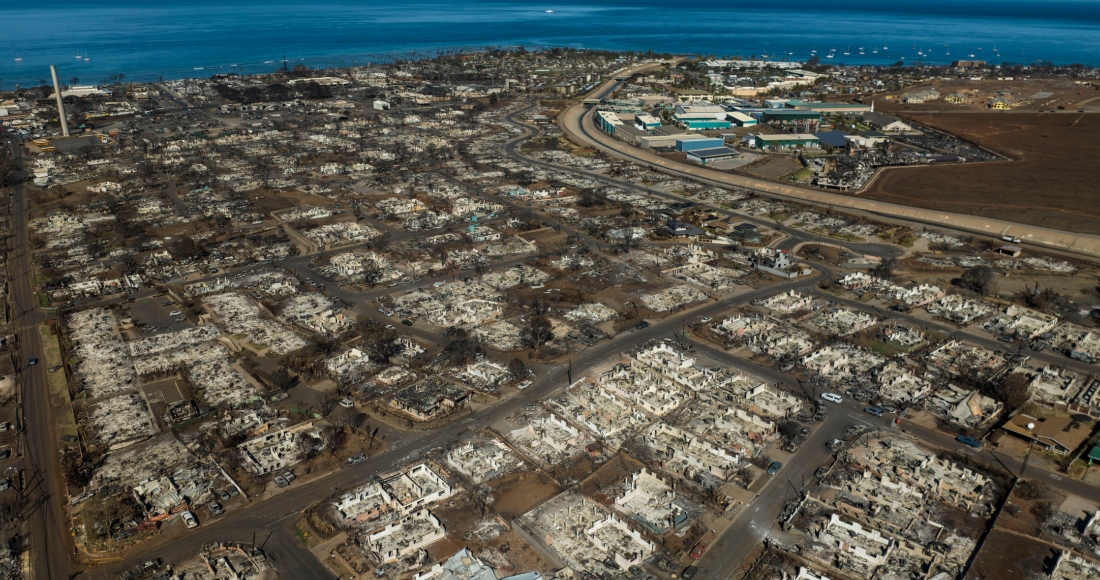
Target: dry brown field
[(1050, 182)]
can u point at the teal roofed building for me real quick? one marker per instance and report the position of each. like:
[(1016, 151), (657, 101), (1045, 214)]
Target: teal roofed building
[(704, 124)]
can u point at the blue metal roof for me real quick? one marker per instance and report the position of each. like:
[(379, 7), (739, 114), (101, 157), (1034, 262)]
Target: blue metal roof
[(833, 138)]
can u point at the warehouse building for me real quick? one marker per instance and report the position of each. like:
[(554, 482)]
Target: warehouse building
[(785, 141), (741, 119), (646, 122), (833, 139), (607, 121), (704, 124), (630, 133), (659, 141), (719, 157), (685, 145)]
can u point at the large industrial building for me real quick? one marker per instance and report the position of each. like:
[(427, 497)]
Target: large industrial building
[(783, 141), (718, 157), (686, 145)]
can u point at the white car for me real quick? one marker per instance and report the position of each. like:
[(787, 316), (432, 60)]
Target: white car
[(189, 519), (174, 313), (833, 397)]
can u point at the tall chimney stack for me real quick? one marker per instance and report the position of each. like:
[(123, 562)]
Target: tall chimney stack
[(60, 102)]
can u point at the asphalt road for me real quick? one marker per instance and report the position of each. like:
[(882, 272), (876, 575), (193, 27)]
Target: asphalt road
[(270, 520), (577, 123), (794, 236), (274, 514), (50, 542)]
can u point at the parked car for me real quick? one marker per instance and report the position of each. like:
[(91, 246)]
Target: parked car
[(689, 572), (832, 397), (32, 361), (697, 551), (968, 440), (189, 519), (215, 508), (876, 411), (357, 458), (347, 403), (834, 444), (774, 468), (642, 324)]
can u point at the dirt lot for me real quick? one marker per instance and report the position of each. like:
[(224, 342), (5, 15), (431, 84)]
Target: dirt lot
[(1006, 555), (1050, 183), (516, 493), (772, 167)]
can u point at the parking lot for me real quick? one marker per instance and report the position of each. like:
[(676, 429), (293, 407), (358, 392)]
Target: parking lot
[(157, 314)]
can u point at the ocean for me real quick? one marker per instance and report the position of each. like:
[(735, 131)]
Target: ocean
[(149, 39)]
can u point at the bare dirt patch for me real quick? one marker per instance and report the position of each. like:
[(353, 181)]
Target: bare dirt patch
[(1007, 555), (772, 167), (1050, 182), (517, 493)]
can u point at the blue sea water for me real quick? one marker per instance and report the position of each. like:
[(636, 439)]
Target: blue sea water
[(147, 39)]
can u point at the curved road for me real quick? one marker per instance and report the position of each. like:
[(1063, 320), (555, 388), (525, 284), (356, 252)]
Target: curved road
[(271, 519), (577, 123), (794, 237)]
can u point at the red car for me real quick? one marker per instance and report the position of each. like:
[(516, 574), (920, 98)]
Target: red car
[(697, 551)]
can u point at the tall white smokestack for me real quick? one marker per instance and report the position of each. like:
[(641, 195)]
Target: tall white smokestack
[(60, 102)]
